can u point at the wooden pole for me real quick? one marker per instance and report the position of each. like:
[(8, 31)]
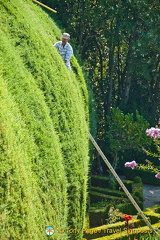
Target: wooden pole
[(45, 6), (121, 184)]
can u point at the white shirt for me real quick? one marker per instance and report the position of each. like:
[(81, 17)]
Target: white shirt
[(65, 51)]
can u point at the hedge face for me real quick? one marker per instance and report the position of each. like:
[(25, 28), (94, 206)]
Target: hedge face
[(44, 114)]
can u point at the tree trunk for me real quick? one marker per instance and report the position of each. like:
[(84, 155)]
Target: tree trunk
[(111, 69), (127, 89), (114, 165), (120, 85), (127, 74), (155, 91), (101, 64)]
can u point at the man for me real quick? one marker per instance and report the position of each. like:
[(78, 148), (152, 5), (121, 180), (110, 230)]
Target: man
[(65, 49)]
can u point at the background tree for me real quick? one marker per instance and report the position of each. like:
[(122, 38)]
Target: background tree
[(125, 132)]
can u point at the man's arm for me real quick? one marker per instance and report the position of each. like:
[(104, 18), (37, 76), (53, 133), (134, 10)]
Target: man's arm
[(56, 44)]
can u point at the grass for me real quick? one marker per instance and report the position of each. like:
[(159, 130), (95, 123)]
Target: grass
[(43, 121)]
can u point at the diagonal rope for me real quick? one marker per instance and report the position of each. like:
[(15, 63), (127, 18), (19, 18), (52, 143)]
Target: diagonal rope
[(121, 184)]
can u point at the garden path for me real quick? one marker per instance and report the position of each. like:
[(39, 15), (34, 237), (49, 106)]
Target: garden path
[(151, 195)]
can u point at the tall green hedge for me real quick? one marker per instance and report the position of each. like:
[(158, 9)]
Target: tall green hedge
[(43, 121)]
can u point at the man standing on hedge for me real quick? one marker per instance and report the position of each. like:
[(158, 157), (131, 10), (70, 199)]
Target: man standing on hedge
[(65, 49)]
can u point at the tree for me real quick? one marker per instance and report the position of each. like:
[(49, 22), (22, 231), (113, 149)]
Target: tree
[(126, 131)]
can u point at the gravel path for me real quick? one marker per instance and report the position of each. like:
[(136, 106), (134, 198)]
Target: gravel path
[(151, 195)]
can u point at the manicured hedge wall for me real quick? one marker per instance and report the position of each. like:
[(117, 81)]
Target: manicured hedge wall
[(98, 197), (118, 231), (147, 176), (106, 230), (134, 233), (43, 129), (153, 213), (103, 182), (115, 193), (128, 208), (101, 193)]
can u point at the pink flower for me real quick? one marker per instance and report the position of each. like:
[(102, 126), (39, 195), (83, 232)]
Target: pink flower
[(153, 132), (130, 164), (157, 175)]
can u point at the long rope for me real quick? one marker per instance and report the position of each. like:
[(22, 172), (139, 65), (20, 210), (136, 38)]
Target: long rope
[(45, 6), (121, 183)]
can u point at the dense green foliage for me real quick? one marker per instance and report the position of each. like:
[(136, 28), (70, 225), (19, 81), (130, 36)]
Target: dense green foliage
[(126, 132), (119, 44), (43, 121)]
